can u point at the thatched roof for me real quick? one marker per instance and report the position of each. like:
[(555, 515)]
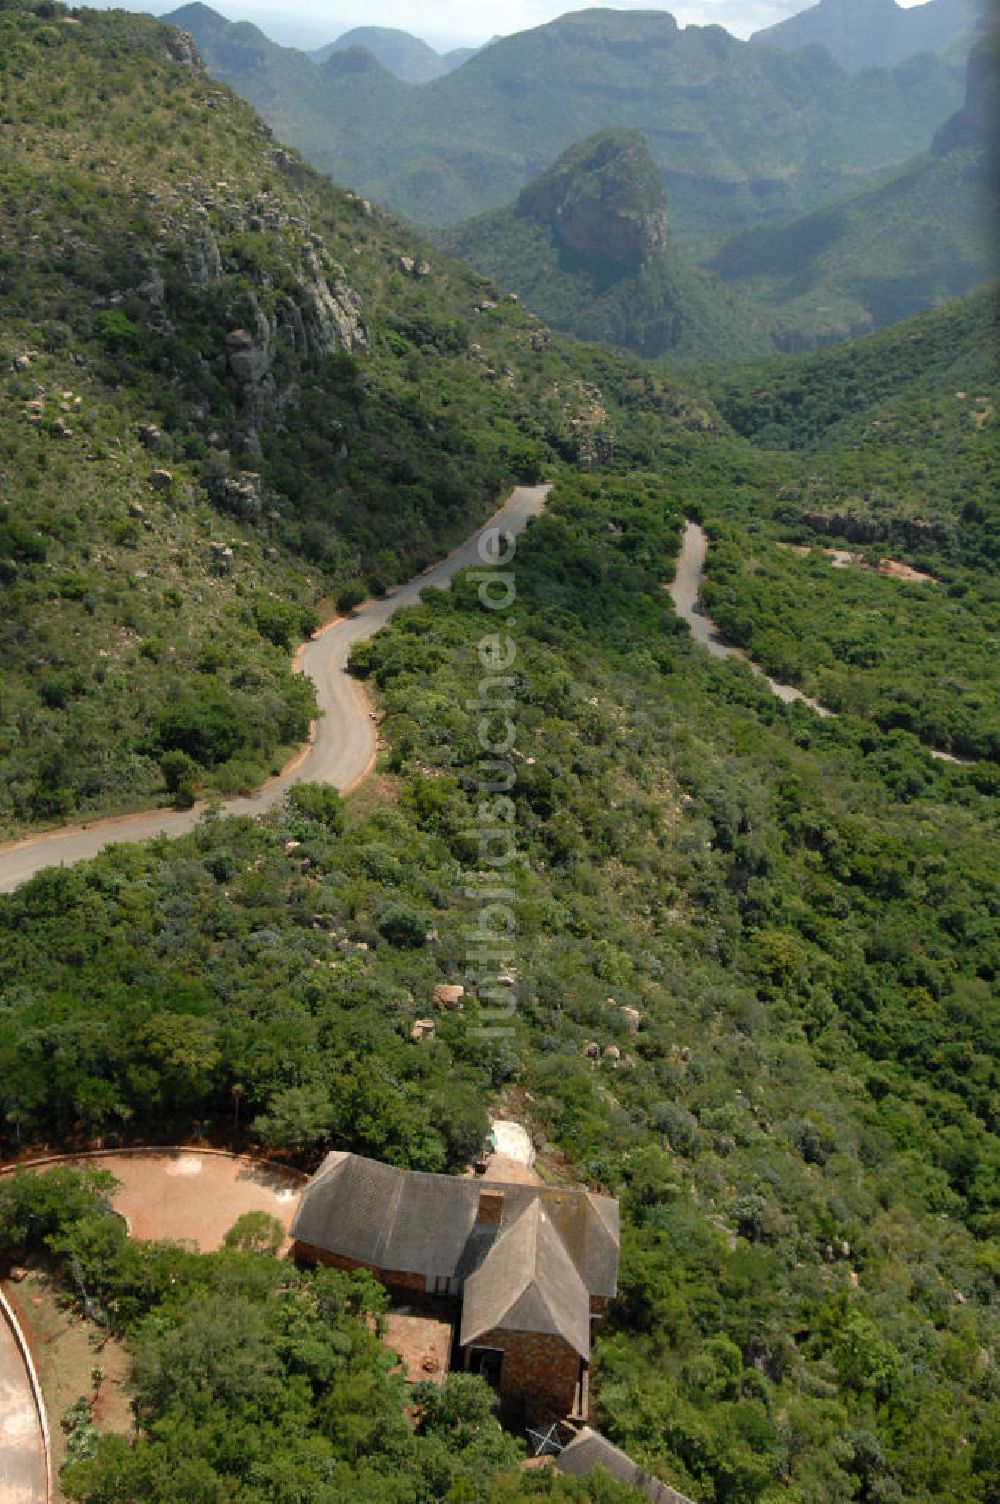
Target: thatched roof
[(589, 1449), (528, 1283), (428, 1224)]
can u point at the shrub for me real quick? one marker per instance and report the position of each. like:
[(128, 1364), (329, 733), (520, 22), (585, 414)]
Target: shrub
[(352, 594), (180, 774), (209, 727), (402, 926), (255, 1232), (319, 802)]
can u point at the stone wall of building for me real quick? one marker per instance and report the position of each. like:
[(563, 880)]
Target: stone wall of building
[(541, 1370), (395, 1279)]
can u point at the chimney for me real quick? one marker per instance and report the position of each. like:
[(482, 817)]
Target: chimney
[(490, 1213)]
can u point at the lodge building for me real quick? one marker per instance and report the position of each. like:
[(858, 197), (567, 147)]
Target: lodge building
[(524, 1271)]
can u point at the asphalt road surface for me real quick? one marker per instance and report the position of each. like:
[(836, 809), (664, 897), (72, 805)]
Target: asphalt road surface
[(341, 746), (22, 1452), (684, 592)]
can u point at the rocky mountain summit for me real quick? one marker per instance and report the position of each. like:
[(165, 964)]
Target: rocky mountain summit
[(603, 200), (588, 246)]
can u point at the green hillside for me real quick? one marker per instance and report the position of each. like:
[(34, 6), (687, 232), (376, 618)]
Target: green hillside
[(740, 133), (801, 1128), (896, 451), (754, 959), (877, 33), (924, 233), (920, 236), (228, 392), (587, 246)]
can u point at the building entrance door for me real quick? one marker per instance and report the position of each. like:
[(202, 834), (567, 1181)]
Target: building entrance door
[(487, 1362)]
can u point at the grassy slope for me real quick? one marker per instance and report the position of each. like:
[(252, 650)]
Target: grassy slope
[(739, 132), (135, 237)]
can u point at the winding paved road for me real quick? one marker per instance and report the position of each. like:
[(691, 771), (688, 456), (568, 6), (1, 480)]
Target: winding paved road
[(684, 592), (341, 747)]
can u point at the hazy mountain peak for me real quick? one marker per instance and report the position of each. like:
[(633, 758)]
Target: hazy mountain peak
[(873, 33), (408, 57)]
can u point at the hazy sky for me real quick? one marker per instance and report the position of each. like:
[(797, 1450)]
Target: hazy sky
[(456, 23)]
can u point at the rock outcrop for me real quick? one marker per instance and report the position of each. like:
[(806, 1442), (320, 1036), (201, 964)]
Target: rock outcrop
[(604, 200)]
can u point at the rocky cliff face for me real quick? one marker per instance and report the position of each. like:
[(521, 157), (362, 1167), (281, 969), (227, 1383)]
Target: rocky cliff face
[(262, 268), (975, 124), (604, 200)]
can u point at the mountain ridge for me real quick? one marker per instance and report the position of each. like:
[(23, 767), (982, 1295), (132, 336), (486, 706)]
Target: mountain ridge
[(741, 133), (920, 235), (875, 33), (408, 57)]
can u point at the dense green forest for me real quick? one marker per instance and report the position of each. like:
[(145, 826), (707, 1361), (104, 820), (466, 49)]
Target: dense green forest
[(804, 914), (228, 391), (883, 449), (923, 233)]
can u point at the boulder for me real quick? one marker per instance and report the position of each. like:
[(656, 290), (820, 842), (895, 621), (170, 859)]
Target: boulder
[(161, 480), (448, 994), (422, 1027)]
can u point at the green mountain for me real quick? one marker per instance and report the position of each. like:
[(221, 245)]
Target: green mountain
[(896, 450), (876, 33), (405, 56), (920, 235), (739, 133), (229, 390), (587, 246)]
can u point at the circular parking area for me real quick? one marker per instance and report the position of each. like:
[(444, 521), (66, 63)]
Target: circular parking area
[(194, 1195)]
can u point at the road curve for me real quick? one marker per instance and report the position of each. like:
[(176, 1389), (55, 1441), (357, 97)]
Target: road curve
[(341, 746), (684, 591), (23, 1471)]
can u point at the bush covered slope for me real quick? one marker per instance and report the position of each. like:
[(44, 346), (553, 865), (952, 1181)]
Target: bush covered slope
[(228, 389), (803, 915), (893, 443), (924, 233)]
